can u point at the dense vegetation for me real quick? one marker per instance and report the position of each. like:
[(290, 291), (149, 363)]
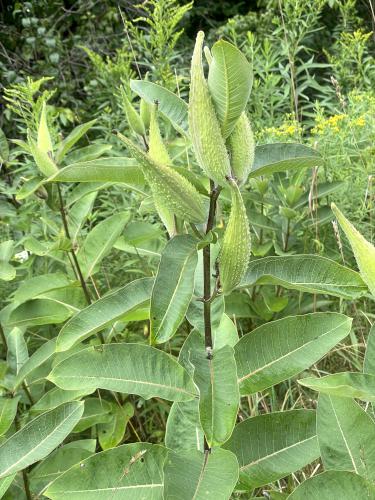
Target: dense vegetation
[(186, 263)]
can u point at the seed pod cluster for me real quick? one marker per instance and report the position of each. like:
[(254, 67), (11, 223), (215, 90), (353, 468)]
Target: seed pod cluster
[(177, 193), (235, 251), (241, 146), (204, 126)]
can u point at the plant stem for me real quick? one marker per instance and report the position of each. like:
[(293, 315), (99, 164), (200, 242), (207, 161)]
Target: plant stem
[(77, 267), (207, 298), (3, 339)]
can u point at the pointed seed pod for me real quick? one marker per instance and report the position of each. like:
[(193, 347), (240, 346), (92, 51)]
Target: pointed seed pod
[(241, 146), (44, 141), (145, 113), (157, 149), (134, 120), (205, 130), (177, 193), (158, 152), (235, 251)]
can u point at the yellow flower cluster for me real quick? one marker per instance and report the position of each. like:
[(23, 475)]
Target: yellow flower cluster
[(287, 129), (332, 124)]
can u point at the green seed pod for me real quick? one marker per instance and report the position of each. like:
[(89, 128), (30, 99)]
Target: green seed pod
[(177, 193), (145, 112), (134, 120), (241, 146), (157, 149), (235, 251), (158, 152), (205, 130), (44, 141)]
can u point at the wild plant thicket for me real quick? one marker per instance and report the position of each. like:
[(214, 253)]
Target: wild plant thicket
[(186, 263)]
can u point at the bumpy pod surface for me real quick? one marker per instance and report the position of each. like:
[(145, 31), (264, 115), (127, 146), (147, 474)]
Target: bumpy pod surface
[(205, 131), (177, 193), (235, 251), (158, 152), (241, 146)]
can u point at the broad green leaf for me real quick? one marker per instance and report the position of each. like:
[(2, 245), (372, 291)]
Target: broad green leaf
[(40, 356), (194, 475), (112, 433), (43, 161), (8, 410), (271, 446), (99, 242), (132, 471), (44, 141), (169, 104), (218, 396), (56, 463), (279, 157), (345, 385), (56, 397), (173, 287), (128, 368), (87, 153), (369, 362), (38, 438), (104, 312), (332, 485), (5, 483), (116, 169), (306, 273), (229, 80), (33, 287), (225, 333), (346, 435), (218, 387), (7, 271), (97, 411), (69, 141), (363, 251), (281, 349), (4, 148), (17, 350), (78, 214), (184, 430), (30, 186), (39, 312), (322, 190)]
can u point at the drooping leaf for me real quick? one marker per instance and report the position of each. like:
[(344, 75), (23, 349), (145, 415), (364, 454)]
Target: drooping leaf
[(345, 385), (363, 251), (112, 432), (192, 474), (104, 312), (306, 273), (283, 348), (271, 446), (334, 484), (17, 350), (173, 287), (280, 157), (346, 435), (132, 471), (128, 368), (216, 379), (45, 352), (97, 411), (69, 141), (57, 463), (39, 312), (38, 438), (169, 104), (184, 430), (8, 410), (229, 80), (117, 169), (99, 242), (33, 287)]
